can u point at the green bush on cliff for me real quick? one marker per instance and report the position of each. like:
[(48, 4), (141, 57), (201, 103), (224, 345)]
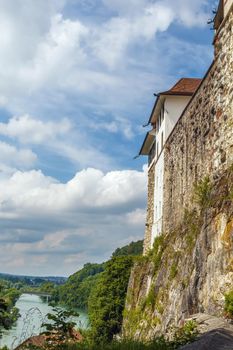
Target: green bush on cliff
[(157, 252), (202, 192), (229, 303)]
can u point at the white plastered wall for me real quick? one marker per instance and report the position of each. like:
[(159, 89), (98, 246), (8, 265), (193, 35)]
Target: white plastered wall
[(173, 108), (158, 198)]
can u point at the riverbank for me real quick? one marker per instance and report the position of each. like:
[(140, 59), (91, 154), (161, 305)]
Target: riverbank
[(33, 313)]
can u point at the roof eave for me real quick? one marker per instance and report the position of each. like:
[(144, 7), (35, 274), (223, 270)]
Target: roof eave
[(144, 151), (170, 93)]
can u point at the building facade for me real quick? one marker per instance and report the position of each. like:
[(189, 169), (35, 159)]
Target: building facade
[(168, 107), (169, 182)]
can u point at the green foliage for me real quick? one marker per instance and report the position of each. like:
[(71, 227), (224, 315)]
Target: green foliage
[(229, 303), (184, 335), (181, 336), (157, 252), (75, 292), (134, 249), (158, 344), (151, 298), (77, 289), (59, 328), (173, 271), (8, 312), (107, 299), (192, 227), (202, 193)]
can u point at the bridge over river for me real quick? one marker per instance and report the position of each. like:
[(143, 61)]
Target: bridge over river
[(40, 294)]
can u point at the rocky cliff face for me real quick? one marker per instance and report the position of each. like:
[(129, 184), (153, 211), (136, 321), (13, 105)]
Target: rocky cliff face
[(190, 267)]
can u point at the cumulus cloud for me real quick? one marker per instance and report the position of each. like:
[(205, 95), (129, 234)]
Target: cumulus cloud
[(88, 216), (12, 157), (59, 137), (63, 53), (34, 131), (90, 188)]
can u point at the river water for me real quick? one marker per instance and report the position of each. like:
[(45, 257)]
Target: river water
[(33, 313)]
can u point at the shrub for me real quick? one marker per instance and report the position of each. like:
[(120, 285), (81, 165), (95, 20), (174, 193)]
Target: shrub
[(202, 193), (184, 335), (174, 271), (157, 252), (229, 303)]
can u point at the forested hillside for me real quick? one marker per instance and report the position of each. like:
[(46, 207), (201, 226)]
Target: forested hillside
[(77, 289)]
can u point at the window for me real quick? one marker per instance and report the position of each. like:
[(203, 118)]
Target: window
[(157, 149), (152, 153), (162, 140), (162, 113)]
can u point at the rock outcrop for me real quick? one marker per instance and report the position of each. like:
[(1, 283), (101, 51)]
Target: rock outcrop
[(215, 334)]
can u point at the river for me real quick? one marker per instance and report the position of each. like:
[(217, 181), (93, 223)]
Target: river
[(33, 312)]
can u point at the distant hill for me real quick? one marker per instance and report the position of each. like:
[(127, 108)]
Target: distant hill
[(32, 280)]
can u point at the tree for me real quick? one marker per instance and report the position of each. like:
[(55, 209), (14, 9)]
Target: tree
[(107, 299), (59, 330), (134, 248)]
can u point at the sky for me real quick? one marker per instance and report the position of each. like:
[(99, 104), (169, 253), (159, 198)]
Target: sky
[(77, 79)]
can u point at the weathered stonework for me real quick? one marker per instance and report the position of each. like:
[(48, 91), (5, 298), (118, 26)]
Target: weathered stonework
[(192, 267), (190, 271), (150, 209), (202, 141)]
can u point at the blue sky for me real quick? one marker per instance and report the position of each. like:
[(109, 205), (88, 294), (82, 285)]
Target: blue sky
[(77, 79)]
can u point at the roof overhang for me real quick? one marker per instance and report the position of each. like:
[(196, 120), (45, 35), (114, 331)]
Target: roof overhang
[(160, 100), (157, 107), (147, 144), (219, 15)]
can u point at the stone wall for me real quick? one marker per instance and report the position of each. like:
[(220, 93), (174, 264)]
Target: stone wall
[(188, 271), (150, 209), (202, 142)]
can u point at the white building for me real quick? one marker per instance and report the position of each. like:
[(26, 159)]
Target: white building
[(168, 108)]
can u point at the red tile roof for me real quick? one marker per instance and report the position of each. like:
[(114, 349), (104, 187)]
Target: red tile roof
[(185, 86)]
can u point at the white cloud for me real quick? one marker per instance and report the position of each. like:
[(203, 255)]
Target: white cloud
[(41, 50), (57, 55), (136, 217), (90, 188), (12, 157), (30, 130), (59, 137), (63, 221), (190, 13)]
